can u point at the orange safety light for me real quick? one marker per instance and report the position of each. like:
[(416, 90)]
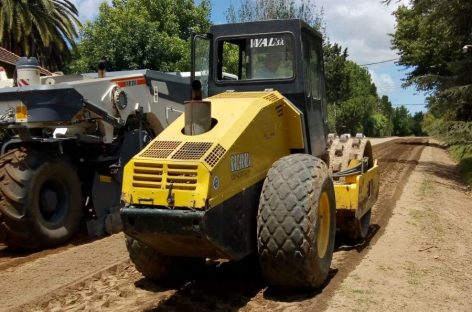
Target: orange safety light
[(21, 114)]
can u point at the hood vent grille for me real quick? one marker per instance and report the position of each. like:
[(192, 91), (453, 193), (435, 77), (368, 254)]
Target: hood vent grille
[(160, 149), (215, 155), (187, 151), (192, 151)]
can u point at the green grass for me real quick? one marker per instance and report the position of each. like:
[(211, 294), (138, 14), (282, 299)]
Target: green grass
[(364, 298), (426, 217), (416, 276), (427, 188), (462, 153)]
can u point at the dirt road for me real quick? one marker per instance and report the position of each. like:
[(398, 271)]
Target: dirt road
[(413, 251)]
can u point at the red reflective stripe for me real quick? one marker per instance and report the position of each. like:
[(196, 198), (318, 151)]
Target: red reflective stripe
[(23, 82), (122, 82)]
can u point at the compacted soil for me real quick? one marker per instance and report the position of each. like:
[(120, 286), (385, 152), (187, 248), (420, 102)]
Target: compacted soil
[(417, 258)]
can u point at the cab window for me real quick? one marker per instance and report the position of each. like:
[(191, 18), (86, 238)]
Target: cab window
[(312, 66), (256, 58)]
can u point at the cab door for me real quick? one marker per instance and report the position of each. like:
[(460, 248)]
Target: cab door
[(201, 61), (314, 92)]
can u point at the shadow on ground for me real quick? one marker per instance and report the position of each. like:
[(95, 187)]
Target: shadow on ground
[(344, 244), (229, 286), (226, 286), (221, 286)]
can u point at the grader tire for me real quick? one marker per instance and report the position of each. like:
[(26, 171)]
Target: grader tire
[(296, 223), (40, 204), (158, 267)]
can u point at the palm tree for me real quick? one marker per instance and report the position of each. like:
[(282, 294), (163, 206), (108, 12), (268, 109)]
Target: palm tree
[(45, 29)]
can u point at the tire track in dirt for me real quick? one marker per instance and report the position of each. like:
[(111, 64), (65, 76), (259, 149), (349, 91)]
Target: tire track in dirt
[(11, 257), (33, 280), (237, 286), (397, 159)]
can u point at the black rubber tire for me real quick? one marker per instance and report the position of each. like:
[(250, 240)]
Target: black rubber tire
[(288, 223), (40, 204), (158, 267), (361, 227)]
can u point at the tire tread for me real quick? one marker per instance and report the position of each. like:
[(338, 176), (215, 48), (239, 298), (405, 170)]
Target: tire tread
[(18, 226), (286, 222)]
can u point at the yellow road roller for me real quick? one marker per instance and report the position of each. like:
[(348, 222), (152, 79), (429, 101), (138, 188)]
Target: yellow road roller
[(249, 167)]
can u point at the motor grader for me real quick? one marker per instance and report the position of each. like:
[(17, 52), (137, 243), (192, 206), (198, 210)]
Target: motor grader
[(67, 138), (251, 167)]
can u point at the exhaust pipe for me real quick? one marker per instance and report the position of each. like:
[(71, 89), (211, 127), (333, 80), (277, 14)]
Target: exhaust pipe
[(102, 68), (197, 112)]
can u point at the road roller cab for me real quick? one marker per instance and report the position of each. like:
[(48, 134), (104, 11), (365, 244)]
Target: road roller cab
[(250, 168)]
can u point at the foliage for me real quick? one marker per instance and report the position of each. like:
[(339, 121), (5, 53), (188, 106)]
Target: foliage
[(458, 136), (332, 118), (430, 36), (402, 121), (350, 116), (452, 132), (336, 75), (378, 125), (45, 29), (417, 128), (356, 98), (256, 10), (133, 34), (463, 154)]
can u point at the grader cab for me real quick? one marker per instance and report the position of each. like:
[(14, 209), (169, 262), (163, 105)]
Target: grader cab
[(250, 168)]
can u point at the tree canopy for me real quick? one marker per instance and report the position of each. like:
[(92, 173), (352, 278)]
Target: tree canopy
[(430, 36), (336, 75), (133, 34), (46, 29), (256, 10)]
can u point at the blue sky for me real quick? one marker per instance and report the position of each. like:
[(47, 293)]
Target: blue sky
[(361, 25)]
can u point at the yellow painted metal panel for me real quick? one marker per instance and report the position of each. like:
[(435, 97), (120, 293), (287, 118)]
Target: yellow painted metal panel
[(294, 126), (360, 195), (189, 184), (252, 131), (347, 196)]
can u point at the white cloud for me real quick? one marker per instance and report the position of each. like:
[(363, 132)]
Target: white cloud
[(88, 9), (384, 82), (362, 26)]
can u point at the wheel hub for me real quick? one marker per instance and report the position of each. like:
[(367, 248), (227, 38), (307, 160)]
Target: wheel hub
[(51, 201), (48, 201)]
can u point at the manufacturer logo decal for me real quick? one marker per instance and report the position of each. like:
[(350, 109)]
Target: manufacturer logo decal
[(216, 183), (240, 162), (267, 42)]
